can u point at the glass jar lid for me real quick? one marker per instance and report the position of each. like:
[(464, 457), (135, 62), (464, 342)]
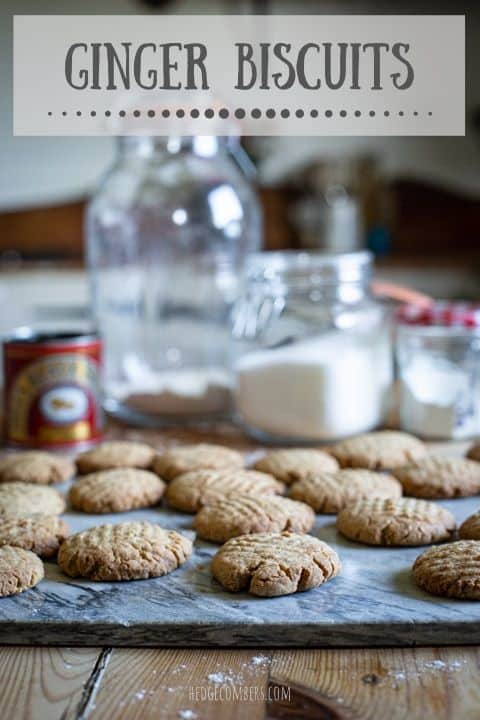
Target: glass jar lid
[(315, 268)]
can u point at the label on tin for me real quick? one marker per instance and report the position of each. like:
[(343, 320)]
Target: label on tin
[(52, 399)]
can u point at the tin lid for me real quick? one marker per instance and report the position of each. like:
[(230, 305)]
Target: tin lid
[(441, 314), (31, 336)]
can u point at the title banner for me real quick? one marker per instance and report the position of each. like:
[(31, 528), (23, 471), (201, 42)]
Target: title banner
[(256, 75)]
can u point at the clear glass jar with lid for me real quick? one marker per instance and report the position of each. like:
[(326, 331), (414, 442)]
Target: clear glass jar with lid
[(168, 233), (314, 350)]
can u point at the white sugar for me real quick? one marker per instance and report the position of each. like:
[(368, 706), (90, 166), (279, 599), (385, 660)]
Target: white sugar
[(327, 387)]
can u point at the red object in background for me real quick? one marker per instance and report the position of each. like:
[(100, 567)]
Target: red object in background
[(52, 389), (441, 313)]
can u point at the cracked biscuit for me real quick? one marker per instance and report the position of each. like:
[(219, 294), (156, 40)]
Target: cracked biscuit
[(272, 564)]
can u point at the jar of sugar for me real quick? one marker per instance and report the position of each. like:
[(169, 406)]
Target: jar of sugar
[(314, 361), (438, 354)]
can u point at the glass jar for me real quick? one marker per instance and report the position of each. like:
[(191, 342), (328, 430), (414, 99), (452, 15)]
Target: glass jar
[(168, 233), (438, 356), (314, 359)]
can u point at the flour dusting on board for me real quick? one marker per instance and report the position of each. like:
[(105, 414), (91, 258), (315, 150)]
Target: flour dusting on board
[(260, 660), (257, 663), (224, 678), (430, 667)]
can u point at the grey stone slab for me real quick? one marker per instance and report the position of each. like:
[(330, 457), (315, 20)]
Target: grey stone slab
[(373, 602)]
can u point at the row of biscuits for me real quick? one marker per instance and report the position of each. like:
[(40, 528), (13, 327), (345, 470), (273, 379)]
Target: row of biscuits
[(232, 501)]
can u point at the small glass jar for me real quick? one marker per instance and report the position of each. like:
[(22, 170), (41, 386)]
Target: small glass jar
[(168, 233), (438, 356), (314, 358)]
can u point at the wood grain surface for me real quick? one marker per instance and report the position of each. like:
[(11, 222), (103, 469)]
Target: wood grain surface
[(137, 684), (45, 683)]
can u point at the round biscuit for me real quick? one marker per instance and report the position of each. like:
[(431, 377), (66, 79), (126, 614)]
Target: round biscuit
[(191, 491), (291, 464), (127, 551), (116, 490), (115, 454), (331, 492), (19, 570), (451, 570), (185, 458), (35, 467), (273, 564), (245, 515), (401, 521), (383, 450)]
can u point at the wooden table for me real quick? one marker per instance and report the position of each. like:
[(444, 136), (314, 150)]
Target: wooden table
[(106, 684), (39, 683)]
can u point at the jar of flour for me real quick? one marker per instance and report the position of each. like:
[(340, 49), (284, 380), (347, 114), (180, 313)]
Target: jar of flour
[(314, 360)]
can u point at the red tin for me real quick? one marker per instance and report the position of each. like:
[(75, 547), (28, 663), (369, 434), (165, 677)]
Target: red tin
[(52, 389)]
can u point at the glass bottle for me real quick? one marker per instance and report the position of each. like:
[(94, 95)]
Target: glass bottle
[(168, 233)]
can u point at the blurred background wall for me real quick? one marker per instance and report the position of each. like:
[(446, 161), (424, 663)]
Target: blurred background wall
[(403, 197)]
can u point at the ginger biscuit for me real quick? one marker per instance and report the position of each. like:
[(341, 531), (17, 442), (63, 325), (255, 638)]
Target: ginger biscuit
[(330, 492), (440, 477), (127, 551), (115, 454), (382, 450), (182, 459), (191, 491), (18, 498), (116, 490), (19, 570), (474, 452), (451, 570), (292, 464), (42, 534), (272, 564), (245, 515), (38, 468), (402, 521), (470, 528)]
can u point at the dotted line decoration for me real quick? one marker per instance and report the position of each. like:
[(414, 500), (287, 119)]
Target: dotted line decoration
[(240, 113)]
